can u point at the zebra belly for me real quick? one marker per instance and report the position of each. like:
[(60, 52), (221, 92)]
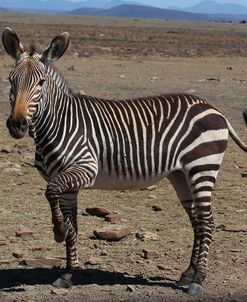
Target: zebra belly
[(113, 182)]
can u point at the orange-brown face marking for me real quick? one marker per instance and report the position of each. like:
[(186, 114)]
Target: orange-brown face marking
[(19, 109)]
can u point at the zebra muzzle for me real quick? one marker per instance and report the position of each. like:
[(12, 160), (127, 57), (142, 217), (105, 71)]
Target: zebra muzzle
[(17, 127)]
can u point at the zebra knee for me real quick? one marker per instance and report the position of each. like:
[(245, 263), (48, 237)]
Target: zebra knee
[(52, 192)]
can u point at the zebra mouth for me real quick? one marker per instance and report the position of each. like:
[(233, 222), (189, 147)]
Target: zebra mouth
[(15, 130)]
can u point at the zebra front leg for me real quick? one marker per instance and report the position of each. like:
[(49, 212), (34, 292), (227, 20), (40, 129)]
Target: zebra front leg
[(62, 194), (68, 205)]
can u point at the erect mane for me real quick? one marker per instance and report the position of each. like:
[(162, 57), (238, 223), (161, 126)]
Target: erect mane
[(32, 48)]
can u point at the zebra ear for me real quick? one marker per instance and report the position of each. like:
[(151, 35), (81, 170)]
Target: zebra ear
[(12, 44), (57, 47)]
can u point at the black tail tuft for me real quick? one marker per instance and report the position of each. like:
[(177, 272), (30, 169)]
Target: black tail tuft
[(245, 116)]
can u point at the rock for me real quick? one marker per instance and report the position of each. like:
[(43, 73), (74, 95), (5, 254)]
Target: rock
[(94, 261), (98, 211), (4, 298), (232, 228), (59, 291), (23, 148), (3, 240), (112, 217), (229, 68), (7, 261), (18, 254), (24, 231), (71, 68), (7, 165), (161, 267), (42, 262), (130, 288), (150, 188), (41, 248), (150, 254), (7, 149), (156, 208), (112, 232), (147, 236)]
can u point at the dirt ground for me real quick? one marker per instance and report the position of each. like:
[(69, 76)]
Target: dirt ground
[(118, 58)]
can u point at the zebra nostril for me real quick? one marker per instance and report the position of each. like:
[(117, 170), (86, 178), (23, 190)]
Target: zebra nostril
[(19, 123)]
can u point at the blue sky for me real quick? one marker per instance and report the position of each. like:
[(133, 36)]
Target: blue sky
[(180, 3)]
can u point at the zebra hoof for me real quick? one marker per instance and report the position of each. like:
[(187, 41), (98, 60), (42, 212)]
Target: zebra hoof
[(61, 232), (195, 289), (64, 281), (184, 280)]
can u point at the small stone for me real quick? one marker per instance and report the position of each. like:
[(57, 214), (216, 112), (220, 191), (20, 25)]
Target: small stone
[(7, 149), (41, 248), (18, 254), (71, 68), (94, 261), (112, 232), (150, 188), (42, 262), (98, 211), (7, 261), (24, 231), (112, 217), (150, 254), (161, 267), (229, 68), (130, 288), (232, 228), (59, 291), (147, 236), (3, 240), (156, 208), (103, 253)]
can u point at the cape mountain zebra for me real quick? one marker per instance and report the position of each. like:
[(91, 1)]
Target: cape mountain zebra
[(87, 142)]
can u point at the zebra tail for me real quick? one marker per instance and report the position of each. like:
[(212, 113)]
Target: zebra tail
[(245, 116), (234, 135)]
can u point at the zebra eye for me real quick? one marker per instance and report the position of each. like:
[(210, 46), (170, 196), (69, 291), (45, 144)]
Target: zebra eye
[(41, 82)]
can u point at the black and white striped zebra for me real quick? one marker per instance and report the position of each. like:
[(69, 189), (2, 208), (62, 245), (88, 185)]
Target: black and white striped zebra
[(87, 142)]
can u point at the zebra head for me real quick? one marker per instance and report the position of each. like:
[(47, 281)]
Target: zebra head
[(28, 78)]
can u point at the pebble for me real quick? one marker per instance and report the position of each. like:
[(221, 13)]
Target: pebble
[(18, 254), (98, 211), (42, 262), (93, 260), (156, 208), (112, 217), (24, 231), (150, 254), (130, 288), (3, 240), (147, 236)]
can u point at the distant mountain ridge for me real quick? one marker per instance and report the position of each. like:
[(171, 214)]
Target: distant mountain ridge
[(63, 5), (139, 11), (205, 10), (212, 7)]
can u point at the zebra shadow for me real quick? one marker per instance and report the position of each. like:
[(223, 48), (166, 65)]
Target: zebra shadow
[(11, 279)]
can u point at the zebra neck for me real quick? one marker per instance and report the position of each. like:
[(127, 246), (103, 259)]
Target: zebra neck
[(59, 80)]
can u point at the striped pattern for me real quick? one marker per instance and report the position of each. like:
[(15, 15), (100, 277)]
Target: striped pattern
[(87, 142)]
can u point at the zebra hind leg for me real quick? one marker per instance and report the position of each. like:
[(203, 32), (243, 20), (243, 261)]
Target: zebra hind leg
[(180, 184)]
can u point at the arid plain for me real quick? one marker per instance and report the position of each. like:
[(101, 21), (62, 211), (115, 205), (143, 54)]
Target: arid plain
[(120, 58)]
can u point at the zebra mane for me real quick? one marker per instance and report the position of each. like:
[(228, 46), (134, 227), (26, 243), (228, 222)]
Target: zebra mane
[(59, 79)]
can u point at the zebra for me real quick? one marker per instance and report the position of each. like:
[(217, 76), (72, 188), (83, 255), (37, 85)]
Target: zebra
[(88, 142)]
